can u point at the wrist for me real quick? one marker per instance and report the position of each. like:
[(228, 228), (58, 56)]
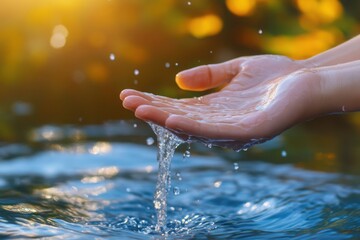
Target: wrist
[(318, 91), (339, 87)]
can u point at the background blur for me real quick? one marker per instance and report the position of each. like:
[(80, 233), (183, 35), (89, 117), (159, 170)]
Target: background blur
[(65, 62)]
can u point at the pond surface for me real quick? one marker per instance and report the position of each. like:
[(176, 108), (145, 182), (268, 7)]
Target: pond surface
[(98, 182)]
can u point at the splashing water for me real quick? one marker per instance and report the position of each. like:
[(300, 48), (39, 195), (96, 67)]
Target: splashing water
[(71, 189), (167, 143)]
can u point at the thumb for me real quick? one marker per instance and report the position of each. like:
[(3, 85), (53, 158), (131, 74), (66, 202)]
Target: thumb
[(207, 76)]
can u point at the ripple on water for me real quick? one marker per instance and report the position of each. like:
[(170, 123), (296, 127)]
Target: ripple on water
[(71, 194)]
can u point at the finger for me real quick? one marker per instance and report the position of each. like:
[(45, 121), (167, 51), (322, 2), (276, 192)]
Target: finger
[(152, 114), (207, 76), (131, 92), (148, 96), (132, 102), (127, 92)]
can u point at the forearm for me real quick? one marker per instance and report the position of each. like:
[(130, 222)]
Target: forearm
[(339, 88), (343, 53)]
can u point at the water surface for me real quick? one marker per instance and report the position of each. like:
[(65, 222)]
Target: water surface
[(101, 185)]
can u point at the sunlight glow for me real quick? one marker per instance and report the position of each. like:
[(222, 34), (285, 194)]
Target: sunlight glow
[(320, 11), (58, 38), (303, 45), (100, 148), (205, 26), (22, 208), (241, 7)]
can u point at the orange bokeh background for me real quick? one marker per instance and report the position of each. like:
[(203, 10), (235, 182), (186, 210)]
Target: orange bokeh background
[(65, 62)]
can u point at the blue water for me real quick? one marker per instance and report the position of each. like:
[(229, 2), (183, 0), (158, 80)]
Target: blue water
[(98, 182)]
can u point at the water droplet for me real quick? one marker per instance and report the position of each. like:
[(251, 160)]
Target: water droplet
[(157, 204), (217, 184), (136, 72), (283, 153), (236, 166), (189, 3), (178, 175), (176, 64), (150, 141), (199, 98), (343, 109), (112, 56), (167, 65), (211, 52), (186, 154), (135, 125), (176, 191), (260, 31)]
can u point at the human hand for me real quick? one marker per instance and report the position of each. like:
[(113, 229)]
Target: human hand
[(263, 96)]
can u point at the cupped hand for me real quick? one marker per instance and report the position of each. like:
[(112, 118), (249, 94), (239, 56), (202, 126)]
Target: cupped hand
[(262, 96)]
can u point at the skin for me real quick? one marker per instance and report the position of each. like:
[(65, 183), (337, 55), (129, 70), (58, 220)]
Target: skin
[(261, 96)]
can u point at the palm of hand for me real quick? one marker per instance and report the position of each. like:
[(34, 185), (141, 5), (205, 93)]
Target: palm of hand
[(263, 97)]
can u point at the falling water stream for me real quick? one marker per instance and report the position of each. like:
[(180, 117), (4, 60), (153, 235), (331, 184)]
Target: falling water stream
[(167, 143)]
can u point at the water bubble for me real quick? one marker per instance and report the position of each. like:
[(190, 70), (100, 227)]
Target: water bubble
[(187, 154), (260, 31), (135, 125), (244, 149), (178, 176), (283, 153), (343, 109), (176, 191), (136, 72), (167, 65), (128, 189), (136, 81), (236, 166), (211, 52), (150, 141), (188, 3), (176, 64), (209, 145), (112, 56)]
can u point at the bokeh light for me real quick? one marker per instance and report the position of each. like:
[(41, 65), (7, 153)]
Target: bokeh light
[(58, 38), (319, 11), (241, 7), (205, 26), (65, 62), (310, 43)]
